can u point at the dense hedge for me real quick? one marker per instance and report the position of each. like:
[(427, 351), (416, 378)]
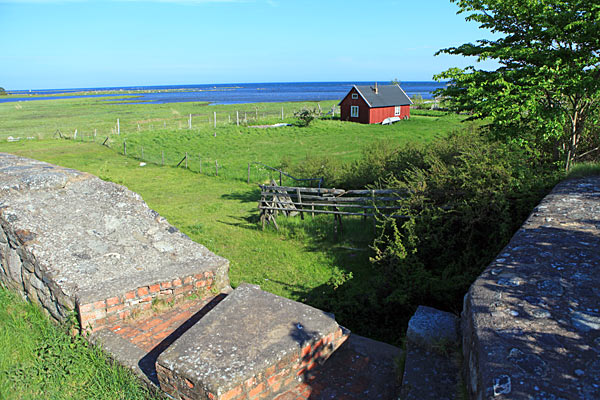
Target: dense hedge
[(467, 198)]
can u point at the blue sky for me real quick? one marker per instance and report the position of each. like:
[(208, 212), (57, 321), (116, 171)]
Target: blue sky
[(79, 43)]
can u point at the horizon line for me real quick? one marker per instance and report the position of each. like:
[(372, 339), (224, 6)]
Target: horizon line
[(213, 84)]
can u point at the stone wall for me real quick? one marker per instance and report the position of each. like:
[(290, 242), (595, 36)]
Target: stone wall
[(72, 242), (531, 321)]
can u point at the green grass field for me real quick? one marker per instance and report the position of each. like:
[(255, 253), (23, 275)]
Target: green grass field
[(301, 261), (42, 118)]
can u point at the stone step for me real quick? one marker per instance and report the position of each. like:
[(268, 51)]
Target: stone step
[(432, 362), (252, 345), (137, 342)]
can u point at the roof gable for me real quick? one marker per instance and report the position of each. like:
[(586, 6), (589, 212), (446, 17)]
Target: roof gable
[(386, 96)]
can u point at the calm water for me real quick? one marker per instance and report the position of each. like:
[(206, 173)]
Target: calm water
[(232, 93)]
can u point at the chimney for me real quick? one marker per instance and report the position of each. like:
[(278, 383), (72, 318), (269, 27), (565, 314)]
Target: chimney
[(376, 90)]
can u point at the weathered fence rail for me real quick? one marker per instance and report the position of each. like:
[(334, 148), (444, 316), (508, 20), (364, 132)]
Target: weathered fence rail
[(291, 201)]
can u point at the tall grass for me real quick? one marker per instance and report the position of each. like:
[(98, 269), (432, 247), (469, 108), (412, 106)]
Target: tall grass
[(581, 170)]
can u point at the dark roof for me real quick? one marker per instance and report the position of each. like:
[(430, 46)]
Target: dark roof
[(386, 96)]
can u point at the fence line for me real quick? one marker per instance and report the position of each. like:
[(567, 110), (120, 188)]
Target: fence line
[(214, 119), (195, 162)]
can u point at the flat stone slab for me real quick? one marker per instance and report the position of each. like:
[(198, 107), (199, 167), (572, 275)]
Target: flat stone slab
[(252, 343), (531, 321), (431, 328), (97, 241)]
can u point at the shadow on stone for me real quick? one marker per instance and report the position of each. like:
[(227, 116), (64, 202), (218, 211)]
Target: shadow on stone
[(148, 363)]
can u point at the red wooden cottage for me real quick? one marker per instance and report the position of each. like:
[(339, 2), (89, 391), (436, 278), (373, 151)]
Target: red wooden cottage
[(372, 104)]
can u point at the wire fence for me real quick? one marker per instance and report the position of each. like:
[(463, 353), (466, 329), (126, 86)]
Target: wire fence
[(241, 117), (240, 170)]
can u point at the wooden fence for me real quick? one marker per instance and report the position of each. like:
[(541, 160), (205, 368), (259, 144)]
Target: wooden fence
[(291, 201)]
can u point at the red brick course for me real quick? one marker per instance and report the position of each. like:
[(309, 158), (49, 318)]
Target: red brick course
[(148, 332), (286, 375), (96, 315)]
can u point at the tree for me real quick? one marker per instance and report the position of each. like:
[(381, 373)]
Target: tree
[(546, 92), (2, 91)]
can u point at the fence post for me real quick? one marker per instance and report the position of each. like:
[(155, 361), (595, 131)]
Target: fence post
[(282, 113), (215, 119), (75, 135), (248, 172), (190, 122), (162, 156), (186, 160), (300, 205), (237, 117), (142, 153), (216, 168), (124, 148), (280, 179), (118, 127), (200, 158)]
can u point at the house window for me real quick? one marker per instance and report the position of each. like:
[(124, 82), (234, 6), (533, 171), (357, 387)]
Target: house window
[(397, 110), (354, 111), (354, 96)]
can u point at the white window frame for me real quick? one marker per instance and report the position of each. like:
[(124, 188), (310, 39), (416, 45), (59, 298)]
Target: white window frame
[(397, 110), (354, 96), (354, 111)]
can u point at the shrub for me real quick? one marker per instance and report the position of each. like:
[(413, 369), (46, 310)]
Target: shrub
[(468, 197), (306, 116), (319, 167)]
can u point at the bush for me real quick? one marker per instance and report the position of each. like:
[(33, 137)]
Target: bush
[(318, 167), (306, 116), (468, 197)]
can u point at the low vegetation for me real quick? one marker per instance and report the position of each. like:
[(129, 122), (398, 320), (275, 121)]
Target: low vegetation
[(39, 360)]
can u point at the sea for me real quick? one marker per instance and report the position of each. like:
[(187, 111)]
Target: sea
[(232, 93)]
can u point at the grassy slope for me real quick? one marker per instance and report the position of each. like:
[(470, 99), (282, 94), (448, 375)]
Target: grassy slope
[(40, 361), (234, 147)]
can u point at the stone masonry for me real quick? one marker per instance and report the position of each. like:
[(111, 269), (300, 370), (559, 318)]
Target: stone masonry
[(531, 321), (252, 345), (72, 242)]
